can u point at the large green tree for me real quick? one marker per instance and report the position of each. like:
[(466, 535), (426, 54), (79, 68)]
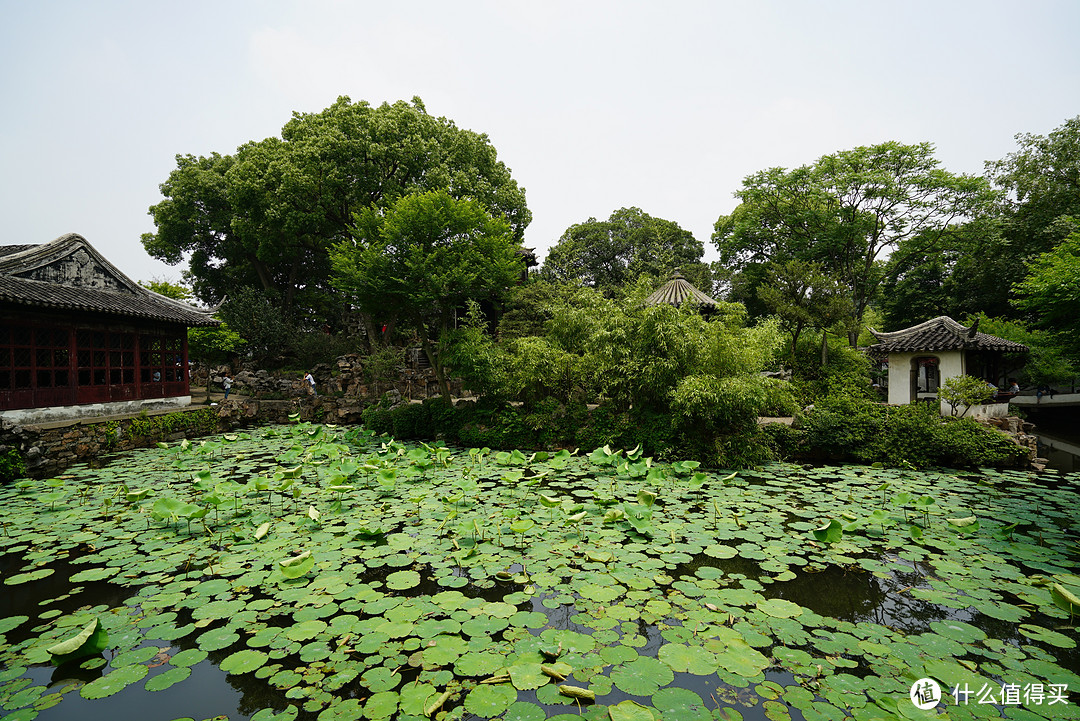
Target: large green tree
[(266, 216), (1050, 294), (419, 261), (608, 254), (847, 211)]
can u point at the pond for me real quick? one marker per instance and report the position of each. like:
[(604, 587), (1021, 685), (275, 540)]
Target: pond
[(311, 572)]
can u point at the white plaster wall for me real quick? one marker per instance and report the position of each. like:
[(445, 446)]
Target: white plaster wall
[(30, 416), (900, 378), (981, 412), (950, 363)]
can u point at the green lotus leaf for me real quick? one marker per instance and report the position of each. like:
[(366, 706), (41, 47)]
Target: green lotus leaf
[(137, 655), (680, 703), (34, 575), (381, 705), (1046, 635), (526, 676), (116, 680), (167, 679), (12, 622), (631, 711), (780, 608), (831, 532), (688, 659), (524, 711), (244, 661), (488, 701), (643, 676), (1065, 598), (401, 580), (297, 566), (217, 639), (90, 641), (188, 657)]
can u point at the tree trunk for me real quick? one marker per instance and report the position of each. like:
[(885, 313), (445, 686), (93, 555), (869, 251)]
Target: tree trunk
[(436, 363)]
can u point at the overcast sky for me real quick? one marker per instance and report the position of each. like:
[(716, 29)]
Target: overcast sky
[(593, 106)]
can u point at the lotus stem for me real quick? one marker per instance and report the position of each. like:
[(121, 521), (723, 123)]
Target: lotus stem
[(436, 704)]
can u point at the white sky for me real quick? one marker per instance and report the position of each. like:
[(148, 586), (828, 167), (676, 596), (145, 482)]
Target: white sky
[(592, 105)]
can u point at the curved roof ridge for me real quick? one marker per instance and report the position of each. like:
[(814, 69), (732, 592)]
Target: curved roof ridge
[(20, 283), (942, 334), (942, 320)]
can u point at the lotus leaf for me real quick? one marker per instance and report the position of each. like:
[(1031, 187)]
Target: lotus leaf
[(488, 701), (90, 641), (643, 676), (217, 639), (167, 679), (116, 680), (631, 711)]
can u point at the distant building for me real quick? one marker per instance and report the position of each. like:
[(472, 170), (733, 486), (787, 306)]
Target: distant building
[(922, 357), (79, 338)]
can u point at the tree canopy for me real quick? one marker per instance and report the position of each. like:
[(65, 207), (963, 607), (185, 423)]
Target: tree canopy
[(1051, 293), (846, 211), (418, 261), (607, 254), (266, 216)]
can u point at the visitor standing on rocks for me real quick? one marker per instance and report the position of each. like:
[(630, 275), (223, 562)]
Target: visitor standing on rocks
[(310, 380), (226, 383)]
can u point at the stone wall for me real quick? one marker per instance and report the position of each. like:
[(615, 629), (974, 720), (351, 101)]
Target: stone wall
[(47, 450), (344, 378)]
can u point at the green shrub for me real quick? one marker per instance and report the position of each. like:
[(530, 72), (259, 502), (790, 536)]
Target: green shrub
[(11, 465), (844, 428), (909, 435), (963, 442)]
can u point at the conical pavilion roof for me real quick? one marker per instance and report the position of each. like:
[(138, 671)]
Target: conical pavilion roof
[(677, 291)]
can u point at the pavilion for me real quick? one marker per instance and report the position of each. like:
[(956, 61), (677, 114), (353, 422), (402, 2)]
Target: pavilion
[(79, 338), (922, 357)]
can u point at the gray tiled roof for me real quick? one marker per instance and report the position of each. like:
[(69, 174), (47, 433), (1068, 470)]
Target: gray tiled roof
[(677, 291), (941, 334), (33, 275)]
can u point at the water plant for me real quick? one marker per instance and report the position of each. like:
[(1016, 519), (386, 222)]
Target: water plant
[(788, 591)]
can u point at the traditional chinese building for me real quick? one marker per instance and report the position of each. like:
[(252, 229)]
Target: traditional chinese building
[(79, 338), (923, 356)]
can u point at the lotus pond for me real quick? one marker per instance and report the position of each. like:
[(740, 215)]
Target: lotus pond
[(313, 572)]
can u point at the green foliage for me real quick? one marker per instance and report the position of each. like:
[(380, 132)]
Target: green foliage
[(846, 211), (163, 287), (264, 327), (308, 349), (266, 216), (420, 259), (1047, 362), (631, 243), (215, 345), (11, 465), (196, 423), (966, 391), (845, 374), (1042, 179), (382, 365), (527, 308), (1050, 293), (915, 435), (803, 296), (473, 355)]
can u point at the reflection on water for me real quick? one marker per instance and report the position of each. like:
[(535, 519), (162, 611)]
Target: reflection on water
[(1059, 439)]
